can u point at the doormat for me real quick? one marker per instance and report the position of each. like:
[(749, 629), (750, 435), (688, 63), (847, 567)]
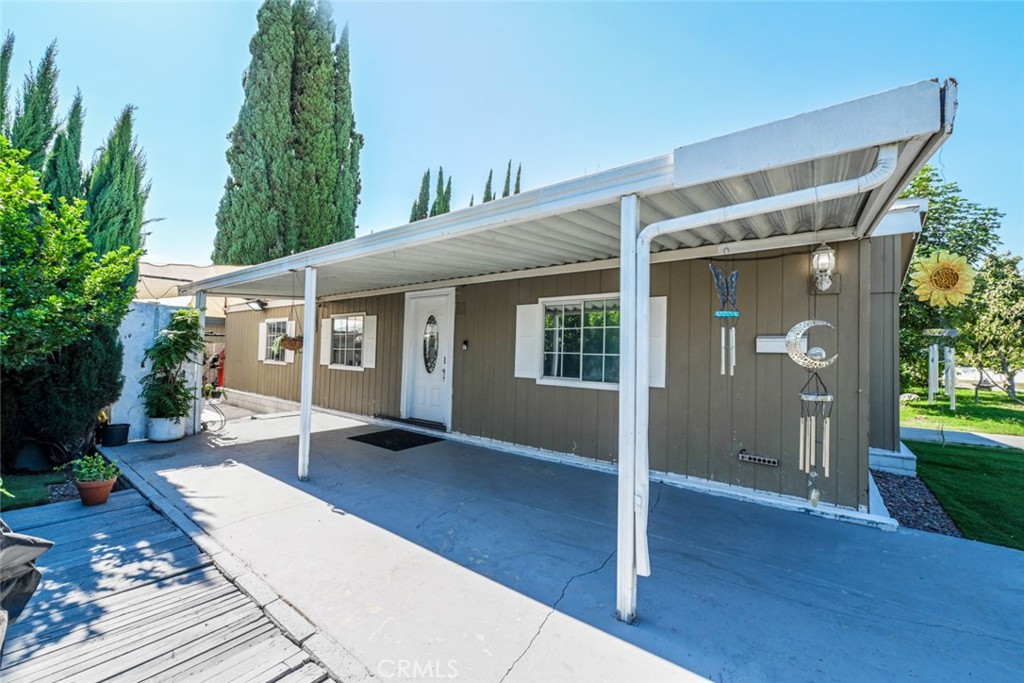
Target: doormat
[(395, 439)]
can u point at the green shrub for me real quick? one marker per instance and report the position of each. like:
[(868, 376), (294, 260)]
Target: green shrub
[(166, 390)]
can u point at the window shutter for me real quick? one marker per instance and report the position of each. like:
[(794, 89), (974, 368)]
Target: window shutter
[(289, 356), (370, 341), (261, 349), (326, 330), (529, 341), (659, 327)]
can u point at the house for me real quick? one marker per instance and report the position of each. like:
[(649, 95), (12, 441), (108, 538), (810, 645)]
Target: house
[(577, 321)]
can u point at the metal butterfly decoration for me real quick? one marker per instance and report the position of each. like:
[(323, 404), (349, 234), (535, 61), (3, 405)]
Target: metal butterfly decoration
[(728, 314)]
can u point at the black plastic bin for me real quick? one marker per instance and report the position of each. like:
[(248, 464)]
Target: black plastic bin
[(114, 435)]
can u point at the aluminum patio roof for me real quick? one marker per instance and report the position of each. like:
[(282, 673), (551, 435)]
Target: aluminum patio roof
[(577, 222)]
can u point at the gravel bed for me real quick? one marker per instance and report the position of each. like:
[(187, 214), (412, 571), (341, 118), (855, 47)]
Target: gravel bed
[(913, 505), (62, 492)]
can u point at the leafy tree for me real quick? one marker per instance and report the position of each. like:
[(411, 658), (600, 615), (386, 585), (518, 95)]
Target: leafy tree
[(63, 174), (994, 332), (488, 193), (118, 192), (508, 180), (421, 206), (6, 53), (35, 121), (954, 224), (55, 289), (519, 177), (350, 142), (255, 219)]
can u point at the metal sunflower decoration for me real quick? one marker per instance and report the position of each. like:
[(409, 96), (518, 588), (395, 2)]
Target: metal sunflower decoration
[(943, 279)]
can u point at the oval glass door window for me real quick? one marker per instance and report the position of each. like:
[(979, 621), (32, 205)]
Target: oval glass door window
[(430, 344)]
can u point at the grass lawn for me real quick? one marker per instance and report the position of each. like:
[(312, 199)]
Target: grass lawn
[(979, 487), (28, 489), (995, 414)]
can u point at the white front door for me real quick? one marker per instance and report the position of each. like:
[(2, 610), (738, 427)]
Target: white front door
[(429, 329)]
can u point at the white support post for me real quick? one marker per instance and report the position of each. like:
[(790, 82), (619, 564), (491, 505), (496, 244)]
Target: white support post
[(626, 556), (642, 394), (308, 365), (199, 368)]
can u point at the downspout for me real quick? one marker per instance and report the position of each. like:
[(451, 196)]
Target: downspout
[(883, 170)]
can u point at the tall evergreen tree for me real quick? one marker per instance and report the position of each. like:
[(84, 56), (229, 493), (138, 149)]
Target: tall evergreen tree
[(472, 197), (316, 179), (488, 194), (118, 192), (349, 142), (519, 177), (255, 220), (6, 52), (35, 121), (438, 206), (448, 196), (421, 206), (63, 174), (508, 180)]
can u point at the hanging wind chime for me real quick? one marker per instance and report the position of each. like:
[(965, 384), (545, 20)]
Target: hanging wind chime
[(728, 315), (815, 403)]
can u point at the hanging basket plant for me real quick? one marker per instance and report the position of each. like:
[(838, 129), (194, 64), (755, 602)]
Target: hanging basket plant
[(288, 343)]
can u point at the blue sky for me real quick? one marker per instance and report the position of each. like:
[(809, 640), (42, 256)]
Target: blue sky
[(565, 89)]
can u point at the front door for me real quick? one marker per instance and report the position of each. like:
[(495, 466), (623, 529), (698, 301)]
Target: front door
[(429, 329)]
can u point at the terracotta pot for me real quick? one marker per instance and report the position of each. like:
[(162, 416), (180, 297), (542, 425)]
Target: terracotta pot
[(95, 492)]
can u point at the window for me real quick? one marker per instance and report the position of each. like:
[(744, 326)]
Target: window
[(581, 340), (275, 330), (347, 340)]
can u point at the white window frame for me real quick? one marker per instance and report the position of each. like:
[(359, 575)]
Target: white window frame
[(284, 353), (337, 366), (565, 381)]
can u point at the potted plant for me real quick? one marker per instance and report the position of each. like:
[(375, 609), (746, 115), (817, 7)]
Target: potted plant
[(94, 477), (166, 390), (288, 343)]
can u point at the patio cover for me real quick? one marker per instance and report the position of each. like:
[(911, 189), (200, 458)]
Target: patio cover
[(829, 175)]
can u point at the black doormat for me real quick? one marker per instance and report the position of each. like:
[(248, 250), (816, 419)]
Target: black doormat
[(395, 439)]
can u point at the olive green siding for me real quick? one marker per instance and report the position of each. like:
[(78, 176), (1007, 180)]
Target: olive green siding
[(698, 423)]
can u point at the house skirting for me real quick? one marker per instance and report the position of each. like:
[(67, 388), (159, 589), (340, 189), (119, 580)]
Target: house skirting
[(902, 461)]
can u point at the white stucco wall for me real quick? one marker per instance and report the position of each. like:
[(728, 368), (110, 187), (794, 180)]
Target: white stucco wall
[(138, 331)]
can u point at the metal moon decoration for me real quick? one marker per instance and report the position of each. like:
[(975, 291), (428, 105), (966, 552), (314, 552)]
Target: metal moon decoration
[(814, 359), (726, 288), (815, 404)]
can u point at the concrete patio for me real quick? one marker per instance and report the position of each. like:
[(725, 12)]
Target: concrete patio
[(448, 560)]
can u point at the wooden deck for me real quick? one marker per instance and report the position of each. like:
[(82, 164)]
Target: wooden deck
[(126, 596)]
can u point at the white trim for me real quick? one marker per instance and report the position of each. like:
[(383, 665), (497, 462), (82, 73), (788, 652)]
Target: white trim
[(576, 298), (351, 368), (409, 347), (266, 360), (577, 383), (334, 366)]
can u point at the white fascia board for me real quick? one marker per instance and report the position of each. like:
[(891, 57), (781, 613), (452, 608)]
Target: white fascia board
[(899, 114), (653, 175), (907, 216)]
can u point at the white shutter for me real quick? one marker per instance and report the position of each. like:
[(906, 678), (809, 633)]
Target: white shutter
[(261, 349), (659, 326), (529, 341), (370, 341), (289, 356), (326, 331)]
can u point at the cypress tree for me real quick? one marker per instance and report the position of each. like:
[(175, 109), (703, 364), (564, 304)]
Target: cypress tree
[(255, 221), (350, 143), (488, 194), (316, 178), (438, 206), (6, 52), (448, 196), (63, 174), (415, 211), (422, 204), (117, 192), (519, 177), (508, 180), (471, 198), (35, 121)]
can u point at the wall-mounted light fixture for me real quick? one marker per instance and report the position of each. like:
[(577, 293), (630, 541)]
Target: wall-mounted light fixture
[(823, 263), (256, 304)]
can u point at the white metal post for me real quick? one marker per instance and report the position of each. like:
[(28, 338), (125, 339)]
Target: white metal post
[(199, 367), (641, 393), (626, 561), (950, 353), (933, 372), (308, 358)]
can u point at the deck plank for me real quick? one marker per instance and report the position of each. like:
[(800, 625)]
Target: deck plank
[(126, 596)]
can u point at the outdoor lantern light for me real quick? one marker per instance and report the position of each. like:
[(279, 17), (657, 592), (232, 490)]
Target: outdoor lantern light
[(256, 304), (823, 263)]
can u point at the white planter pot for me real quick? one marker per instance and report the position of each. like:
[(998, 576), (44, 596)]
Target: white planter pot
[(165, 429)]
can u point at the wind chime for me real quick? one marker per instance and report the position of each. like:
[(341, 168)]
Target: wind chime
[(728, 315), (942, 279), (815, 404)]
